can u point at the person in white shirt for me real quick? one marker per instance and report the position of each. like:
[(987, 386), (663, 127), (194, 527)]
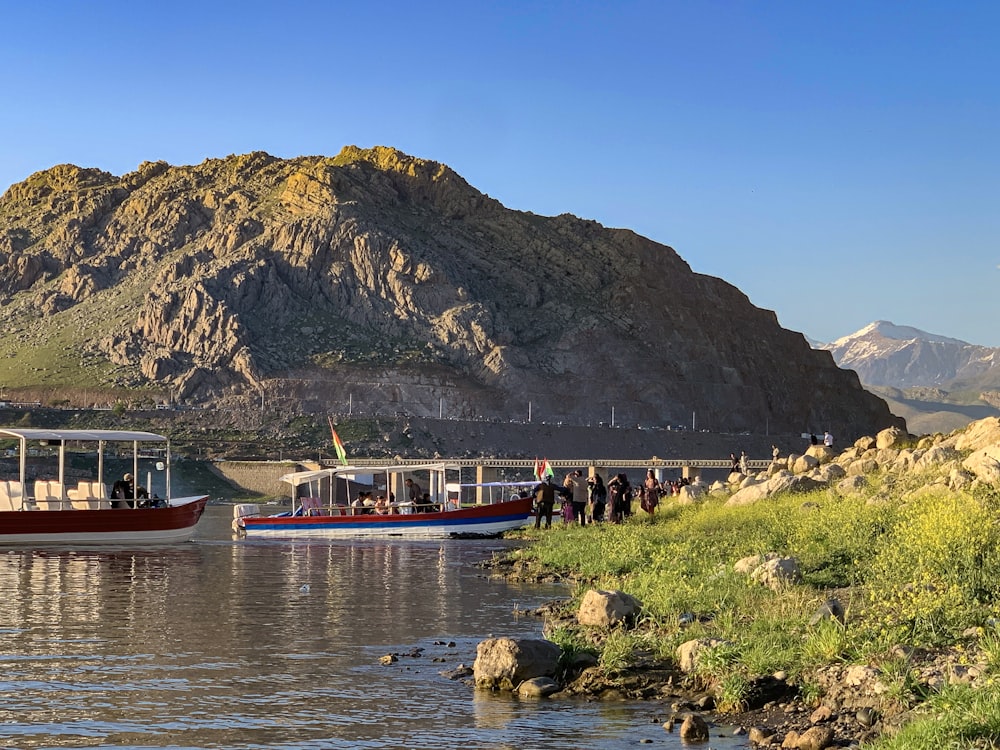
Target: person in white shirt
[(828, 439)]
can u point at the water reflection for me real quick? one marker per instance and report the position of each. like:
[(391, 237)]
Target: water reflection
[(228, 644)]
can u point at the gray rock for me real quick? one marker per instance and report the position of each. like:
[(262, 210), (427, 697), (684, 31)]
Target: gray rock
[(694, 729), (503, 663), (606, 609), (537, 687)]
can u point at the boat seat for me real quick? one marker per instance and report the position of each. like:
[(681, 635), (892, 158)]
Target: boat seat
[(16, 493), (48, 495), (88, 496), (5, 498)]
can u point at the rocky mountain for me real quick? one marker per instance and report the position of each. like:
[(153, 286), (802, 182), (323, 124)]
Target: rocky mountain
[(387, 283), (936, 383)]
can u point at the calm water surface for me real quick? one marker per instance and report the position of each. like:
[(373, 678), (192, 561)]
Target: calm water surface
[(221, 643)]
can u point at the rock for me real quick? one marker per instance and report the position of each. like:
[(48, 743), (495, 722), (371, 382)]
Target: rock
[(821, 714), (537, 687), (747, 565), (778, 573), (694, 729), (978, 435), (864, 443), (504, 663), (891, 437), (851, 485), (760, 735), (985, 464), (866, 717), (458, 673), (831, 609), (688, 652), (791, 740), (605, 609), (806, 463), (821, 453), (815, 738)]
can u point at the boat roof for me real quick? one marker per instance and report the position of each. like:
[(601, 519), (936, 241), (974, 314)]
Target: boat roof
[(108, 435), (400, 469), (296, 478), (502, 484)]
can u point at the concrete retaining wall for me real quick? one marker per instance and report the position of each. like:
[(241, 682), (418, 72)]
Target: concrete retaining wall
[(260, 476)]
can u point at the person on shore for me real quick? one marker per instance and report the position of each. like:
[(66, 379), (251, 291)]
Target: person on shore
[(744, 464), (734, 464), (812, 439), (828, 439), (618, 490), (578, 485), (650, 492), (545, 500), (598, 498), (775, 453)]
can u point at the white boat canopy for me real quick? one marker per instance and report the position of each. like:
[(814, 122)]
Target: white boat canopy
[(304, 477), (106, 435), (400, 469)]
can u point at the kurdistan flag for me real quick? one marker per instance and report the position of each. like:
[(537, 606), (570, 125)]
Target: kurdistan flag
[(338, 444)]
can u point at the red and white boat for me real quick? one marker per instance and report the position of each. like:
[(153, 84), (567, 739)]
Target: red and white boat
[(46, 511), (440, 515)]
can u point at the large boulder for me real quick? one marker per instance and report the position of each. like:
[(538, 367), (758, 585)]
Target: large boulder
[(504, 663), (606, 609), (937, 455), (891, 437), (979, 435), (985, 464), (806, 463), (822, 453), (865, 443), (690, 493), (778, 574)]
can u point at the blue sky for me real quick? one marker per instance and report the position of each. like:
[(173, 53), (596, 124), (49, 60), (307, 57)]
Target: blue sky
[(838, 162)]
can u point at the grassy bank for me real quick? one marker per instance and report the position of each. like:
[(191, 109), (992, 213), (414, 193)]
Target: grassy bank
[(917, 570)]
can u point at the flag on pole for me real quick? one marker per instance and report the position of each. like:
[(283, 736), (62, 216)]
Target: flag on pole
[(546, 469), (538, 469), (338, 445)]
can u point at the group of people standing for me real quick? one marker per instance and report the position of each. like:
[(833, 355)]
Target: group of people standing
[(590, 500)]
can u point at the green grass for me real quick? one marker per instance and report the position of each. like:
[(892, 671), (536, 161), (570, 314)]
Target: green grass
[(911, 565)]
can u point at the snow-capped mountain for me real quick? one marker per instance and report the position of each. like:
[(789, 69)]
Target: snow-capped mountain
[(884, 354)]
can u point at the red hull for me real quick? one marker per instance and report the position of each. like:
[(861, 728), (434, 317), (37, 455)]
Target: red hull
[(114, 526)]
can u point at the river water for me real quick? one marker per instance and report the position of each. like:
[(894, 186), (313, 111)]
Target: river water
[(224, 643)]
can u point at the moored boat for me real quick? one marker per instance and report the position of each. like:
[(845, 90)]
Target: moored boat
[(46, 511), (438, 513)]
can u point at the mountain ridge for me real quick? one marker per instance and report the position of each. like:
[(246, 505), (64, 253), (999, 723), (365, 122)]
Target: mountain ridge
[(382, 278)]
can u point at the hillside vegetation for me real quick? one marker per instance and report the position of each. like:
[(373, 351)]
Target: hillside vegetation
[(876, 590)]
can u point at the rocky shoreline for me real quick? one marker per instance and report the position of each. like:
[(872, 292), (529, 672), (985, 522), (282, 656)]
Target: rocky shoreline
[(854, 709), (776, 714)]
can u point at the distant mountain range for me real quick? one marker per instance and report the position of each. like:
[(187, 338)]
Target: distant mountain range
[(935, 382)]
